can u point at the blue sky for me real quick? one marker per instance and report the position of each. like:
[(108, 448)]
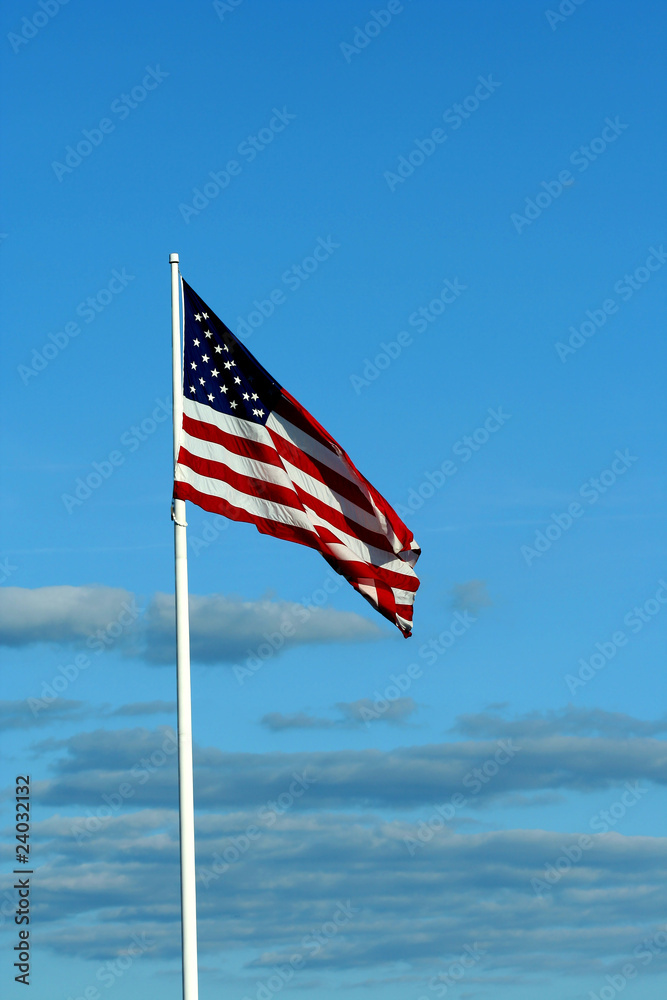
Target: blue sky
[(484, 339)]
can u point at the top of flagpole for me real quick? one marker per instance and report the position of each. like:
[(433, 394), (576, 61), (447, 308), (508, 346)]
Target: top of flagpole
[(173, 258)]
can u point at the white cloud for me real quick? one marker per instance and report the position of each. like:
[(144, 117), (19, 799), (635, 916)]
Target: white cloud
[(18, 715), (365, 710), (570, 720), (309, 851), (464, 888), (403, 778), (470, 596), (352, 715), (57, 614), (222, 629), (229, 628)]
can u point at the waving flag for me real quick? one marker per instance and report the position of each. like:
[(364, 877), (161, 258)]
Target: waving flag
[(250, 451)]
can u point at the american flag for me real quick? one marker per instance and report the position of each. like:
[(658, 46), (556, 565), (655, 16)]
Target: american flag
[(250, 451)]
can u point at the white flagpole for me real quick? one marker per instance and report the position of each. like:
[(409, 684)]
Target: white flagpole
[(186, 813)]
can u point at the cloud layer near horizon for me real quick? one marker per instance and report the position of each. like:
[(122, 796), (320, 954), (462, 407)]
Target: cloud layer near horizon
[(111, 851), (438, 899), (91, 763)]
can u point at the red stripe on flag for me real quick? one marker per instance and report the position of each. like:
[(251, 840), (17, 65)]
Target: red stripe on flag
[(338, 520), (232, 442), (265, 525), (261, 488), (334, 480)]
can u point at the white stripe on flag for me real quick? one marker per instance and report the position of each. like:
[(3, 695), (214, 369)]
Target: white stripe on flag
[(328, 496), (304, 442), (230, 425), (211, 451), (217, 489)]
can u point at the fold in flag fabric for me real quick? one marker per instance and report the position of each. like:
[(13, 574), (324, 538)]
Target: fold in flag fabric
[(249, 451)]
